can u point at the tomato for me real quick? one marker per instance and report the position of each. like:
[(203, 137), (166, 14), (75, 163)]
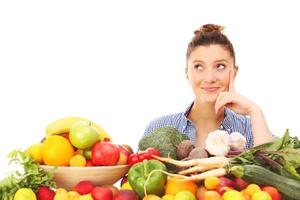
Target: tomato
[(273, 192)]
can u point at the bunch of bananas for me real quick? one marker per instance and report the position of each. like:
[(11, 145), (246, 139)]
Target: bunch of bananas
[(63, 125)]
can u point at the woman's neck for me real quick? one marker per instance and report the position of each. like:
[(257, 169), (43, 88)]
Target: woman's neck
[(205, 113)]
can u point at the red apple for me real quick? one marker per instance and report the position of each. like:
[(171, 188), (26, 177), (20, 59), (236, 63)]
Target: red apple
[(126, 195), (102, 193), (129, 149), (84, 187), (226, 182), (240, 184), (105, 153), (114, 189), (222, 189), (124, 154), (45, 193)]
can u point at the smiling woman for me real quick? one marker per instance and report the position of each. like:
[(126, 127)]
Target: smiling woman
[(211, 71)]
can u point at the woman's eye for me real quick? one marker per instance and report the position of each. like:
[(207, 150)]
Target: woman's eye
[(198, 67), (221, 66)]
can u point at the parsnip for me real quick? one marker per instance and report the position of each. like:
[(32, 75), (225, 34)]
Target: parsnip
[(202, 176), (216, 161)]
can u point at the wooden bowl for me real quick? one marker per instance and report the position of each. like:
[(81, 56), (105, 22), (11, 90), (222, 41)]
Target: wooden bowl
[(68, 177)]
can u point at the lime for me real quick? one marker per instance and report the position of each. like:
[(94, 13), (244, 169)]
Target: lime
[(185, 195)]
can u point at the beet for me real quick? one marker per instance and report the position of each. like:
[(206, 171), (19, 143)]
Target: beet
[(184, 148), (198, 152)]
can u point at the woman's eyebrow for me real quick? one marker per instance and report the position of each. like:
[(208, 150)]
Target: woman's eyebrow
[(221, 60), (198, 61)]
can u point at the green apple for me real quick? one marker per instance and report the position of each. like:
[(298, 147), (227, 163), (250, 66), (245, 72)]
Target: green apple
[(83, 135)]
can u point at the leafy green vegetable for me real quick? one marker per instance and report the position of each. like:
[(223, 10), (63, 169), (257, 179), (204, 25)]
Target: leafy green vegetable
[(32, 176), (165, 139)]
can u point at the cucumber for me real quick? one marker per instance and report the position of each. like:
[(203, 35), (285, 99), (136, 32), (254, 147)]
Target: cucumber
[(262, 176)]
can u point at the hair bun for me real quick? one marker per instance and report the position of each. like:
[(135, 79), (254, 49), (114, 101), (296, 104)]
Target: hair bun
[(208, 28)]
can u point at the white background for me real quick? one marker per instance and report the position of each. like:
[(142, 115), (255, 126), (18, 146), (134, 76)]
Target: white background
[(121, 63)]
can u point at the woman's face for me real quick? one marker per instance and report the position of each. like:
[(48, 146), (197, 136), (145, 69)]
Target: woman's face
[(208, 72)]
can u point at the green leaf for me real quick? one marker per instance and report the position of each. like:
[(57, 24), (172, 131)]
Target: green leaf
[(280, 143)]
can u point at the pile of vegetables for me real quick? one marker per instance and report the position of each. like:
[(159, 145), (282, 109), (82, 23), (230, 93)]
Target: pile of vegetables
[(31, 176), (276, 163)]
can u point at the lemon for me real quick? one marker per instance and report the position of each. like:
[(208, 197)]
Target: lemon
[(126, 186), (232, 195), (35, 152), (24, 194), (77, 161)]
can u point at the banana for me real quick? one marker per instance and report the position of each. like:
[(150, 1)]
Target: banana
[(63, 125)]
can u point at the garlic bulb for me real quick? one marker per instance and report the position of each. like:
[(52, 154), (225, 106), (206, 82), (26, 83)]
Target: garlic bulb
[(238, 141), (218, 143)]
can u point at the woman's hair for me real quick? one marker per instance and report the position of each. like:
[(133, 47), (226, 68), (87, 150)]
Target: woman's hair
[(209, 34)]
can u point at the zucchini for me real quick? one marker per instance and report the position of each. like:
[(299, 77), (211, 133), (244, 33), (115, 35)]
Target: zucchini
[(262, 176)]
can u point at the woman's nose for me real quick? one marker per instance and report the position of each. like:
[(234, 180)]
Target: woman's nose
[(210, 76)]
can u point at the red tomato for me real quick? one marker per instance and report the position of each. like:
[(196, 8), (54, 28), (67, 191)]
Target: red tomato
[(273, 192)]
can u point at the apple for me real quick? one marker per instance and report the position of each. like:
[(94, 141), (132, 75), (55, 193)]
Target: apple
[(102, 193), (83, 135), (124, 154), (226, 182), (129, 149), (200, 192), (105, 153), (210, 195), (45, 193), (222, 189), (84, 187), (240, 184), (113, 188), (126, 195)]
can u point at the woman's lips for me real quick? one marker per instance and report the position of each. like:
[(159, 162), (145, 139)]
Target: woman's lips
[(210, 89)]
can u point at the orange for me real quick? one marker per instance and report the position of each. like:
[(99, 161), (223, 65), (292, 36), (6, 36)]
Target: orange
[(57, 151), (175, 185)]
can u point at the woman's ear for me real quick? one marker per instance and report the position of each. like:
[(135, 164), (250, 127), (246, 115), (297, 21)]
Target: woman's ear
[(236, 69), (186, 73)]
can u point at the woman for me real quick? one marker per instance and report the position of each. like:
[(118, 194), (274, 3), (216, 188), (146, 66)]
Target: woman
[(211, 71)]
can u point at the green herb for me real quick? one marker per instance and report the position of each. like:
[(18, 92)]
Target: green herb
[(32, 176), (281, 156)]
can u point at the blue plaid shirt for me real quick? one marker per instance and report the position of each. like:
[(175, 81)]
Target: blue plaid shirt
[(232, 122)]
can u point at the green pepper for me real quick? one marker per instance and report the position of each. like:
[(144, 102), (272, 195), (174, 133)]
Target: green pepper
[(139, 173)]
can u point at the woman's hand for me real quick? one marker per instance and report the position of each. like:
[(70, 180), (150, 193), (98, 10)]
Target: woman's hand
[(235, 101)]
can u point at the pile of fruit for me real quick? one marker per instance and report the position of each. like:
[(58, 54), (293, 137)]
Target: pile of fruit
[(78, 142)]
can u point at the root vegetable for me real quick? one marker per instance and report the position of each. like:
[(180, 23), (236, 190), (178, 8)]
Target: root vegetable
[(216, 161), (197, 169), (214, 172), (184, 148), (198, 152)]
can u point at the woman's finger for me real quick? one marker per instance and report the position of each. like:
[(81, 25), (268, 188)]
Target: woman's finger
[(231, 81), (223, 99)]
